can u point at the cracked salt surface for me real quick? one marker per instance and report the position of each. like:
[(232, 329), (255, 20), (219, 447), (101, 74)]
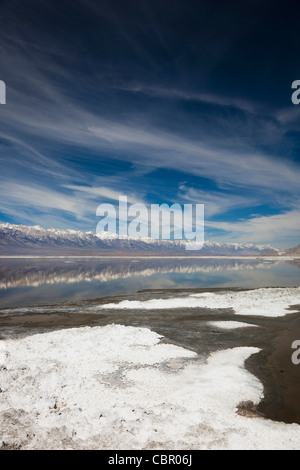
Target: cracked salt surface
[(109, 388), (267, 302)]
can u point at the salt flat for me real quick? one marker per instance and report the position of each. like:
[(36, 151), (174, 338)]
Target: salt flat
[(266, 302), (117, 387)]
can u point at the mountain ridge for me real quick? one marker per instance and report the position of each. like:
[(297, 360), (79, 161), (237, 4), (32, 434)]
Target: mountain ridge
[(295, 251), (36, 239)]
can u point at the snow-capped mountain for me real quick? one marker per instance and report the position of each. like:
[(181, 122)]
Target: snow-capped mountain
[(22, 239), (295, 251)]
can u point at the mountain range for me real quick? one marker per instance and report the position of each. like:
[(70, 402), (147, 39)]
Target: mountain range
[(293, 251), (35, 240)]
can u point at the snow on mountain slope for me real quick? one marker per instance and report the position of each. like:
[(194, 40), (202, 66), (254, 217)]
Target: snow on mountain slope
[(15, 238)]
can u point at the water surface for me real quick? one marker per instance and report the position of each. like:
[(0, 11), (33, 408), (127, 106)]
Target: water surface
[(38, 281)]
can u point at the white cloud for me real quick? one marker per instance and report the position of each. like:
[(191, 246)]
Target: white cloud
[(60, 119), (17, 196), (273, 229), (211, 98), (215, 202), (42, 114), (289, 114), (102, 191)]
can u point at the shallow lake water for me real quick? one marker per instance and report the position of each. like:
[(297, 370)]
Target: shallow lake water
[(30, 281)]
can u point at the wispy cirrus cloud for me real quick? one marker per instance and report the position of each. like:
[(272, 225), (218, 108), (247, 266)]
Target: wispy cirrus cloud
[(146, 146), (103, 192), (120, 108), (187, 95), (282, 230), (216, 202), (42, 198)]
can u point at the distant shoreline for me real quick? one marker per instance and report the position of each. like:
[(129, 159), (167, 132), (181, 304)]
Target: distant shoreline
[(269, 258)]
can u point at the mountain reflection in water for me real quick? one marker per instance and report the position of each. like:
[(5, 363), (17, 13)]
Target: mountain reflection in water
[(24, 281)]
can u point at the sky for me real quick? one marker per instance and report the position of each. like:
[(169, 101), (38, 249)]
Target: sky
[(163, 101)]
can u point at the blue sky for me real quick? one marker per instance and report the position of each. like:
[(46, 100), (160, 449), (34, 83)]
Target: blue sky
[(173, 101)]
